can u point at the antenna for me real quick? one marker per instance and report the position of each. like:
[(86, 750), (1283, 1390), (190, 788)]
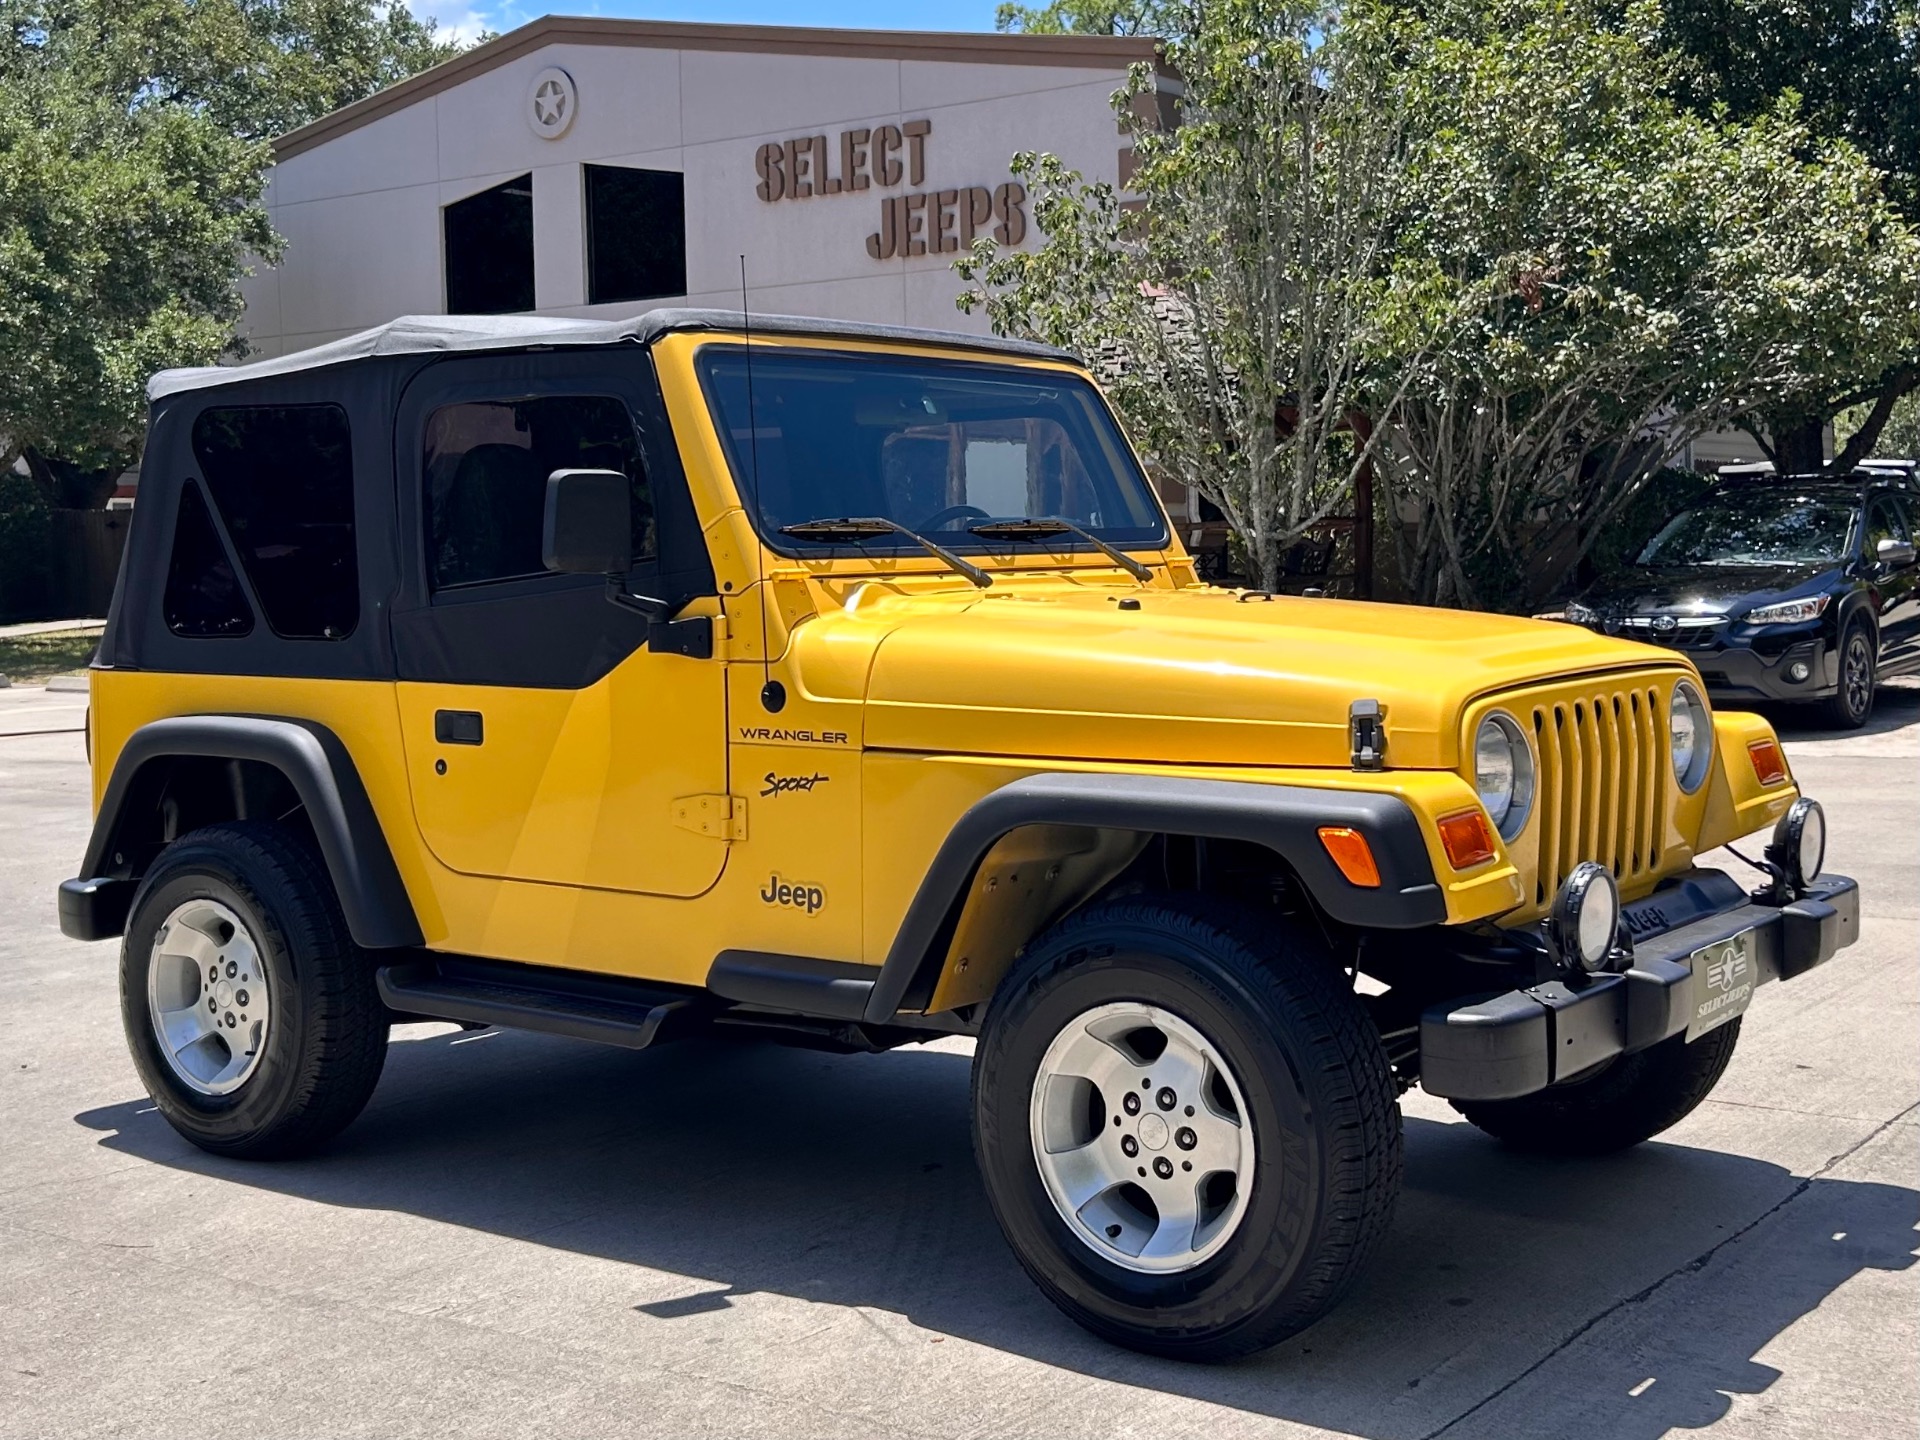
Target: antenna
[(773, 695)]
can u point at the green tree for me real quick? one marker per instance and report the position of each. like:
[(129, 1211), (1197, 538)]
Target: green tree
[(133, 154), (1851, 72), (1899, 439), (1620, 274), (1230, 298)]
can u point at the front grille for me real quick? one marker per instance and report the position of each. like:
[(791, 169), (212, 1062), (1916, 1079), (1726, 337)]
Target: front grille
[(1678, 632), (1601, 789)]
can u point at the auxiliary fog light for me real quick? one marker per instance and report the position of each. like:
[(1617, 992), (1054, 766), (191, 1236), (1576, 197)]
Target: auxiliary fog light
[(1799, 845), (1586, 917), (1798, 671)]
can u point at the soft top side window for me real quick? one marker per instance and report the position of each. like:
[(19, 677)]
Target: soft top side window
[(203, 595), (281, 477), (486, 465)]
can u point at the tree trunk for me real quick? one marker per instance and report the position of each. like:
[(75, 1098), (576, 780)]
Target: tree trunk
[(1801, 448), (67, 486), (1895, 384)]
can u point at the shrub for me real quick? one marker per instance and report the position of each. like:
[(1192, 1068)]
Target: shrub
[(25, 538)]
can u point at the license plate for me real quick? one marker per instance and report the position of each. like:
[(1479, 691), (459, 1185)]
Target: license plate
[(1723, 978)]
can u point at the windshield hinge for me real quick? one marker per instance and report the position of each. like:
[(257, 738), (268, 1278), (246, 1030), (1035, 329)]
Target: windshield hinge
[(718, 817)]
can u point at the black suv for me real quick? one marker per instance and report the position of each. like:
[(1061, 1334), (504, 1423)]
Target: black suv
[(1780, 588)]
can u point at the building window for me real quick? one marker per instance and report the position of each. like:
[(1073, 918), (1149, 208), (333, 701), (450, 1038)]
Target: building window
[(487, 464), (281, 477), (636, 234), (489, 250), (202, 596)]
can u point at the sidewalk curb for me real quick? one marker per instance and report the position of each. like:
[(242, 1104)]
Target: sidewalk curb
[(47, 627)]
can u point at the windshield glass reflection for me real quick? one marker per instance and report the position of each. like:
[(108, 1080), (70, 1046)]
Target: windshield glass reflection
[(936, 446), (1754, 529)]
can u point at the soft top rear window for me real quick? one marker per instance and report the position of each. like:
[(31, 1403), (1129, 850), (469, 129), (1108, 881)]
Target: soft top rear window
[(934, 445)]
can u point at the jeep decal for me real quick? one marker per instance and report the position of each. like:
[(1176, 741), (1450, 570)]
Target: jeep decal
[(787, 784), (809, 898), (793, 737)]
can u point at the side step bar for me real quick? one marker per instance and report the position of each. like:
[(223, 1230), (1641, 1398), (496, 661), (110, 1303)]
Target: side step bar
[(627, 1013)]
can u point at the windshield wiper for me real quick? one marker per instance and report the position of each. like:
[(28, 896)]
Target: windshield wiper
[(871, 527), (1041, 528)]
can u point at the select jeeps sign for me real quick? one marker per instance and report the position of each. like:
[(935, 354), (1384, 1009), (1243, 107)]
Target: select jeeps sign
[(920, 222)]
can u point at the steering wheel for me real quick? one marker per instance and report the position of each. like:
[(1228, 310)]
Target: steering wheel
[(952, 512)]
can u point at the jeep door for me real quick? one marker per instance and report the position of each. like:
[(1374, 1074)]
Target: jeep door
[(545, 741)]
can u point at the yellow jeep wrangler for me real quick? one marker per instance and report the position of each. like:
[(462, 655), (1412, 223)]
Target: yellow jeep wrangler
[(846, 686)]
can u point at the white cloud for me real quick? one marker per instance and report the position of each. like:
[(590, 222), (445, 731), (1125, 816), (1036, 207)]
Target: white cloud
[(467, 20)]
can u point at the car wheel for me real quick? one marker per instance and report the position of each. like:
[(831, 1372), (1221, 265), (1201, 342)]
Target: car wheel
[(1852, 702), (1633, 1099), (251, 1014), (1187, 1126)]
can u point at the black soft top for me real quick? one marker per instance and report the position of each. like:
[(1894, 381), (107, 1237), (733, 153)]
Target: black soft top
[(451, 334)]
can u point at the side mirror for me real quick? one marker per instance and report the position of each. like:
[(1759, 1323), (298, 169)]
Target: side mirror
[(587, 527), (1894, 554)]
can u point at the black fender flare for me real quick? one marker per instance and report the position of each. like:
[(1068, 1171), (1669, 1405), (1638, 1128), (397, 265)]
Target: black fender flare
[(1857, 604), (320, 768), (1284, 818)]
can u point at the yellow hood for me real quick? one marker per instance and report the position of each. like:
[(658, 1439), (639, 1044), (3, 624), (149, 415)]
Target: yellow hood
[(1194, 676)]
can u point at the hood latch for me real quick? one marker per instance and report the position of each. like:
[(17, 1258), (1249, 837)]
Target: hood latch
[(1367, 733)]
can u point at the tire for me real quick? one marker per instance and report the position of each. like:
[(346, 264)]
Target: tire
[(1852, 700), (1632, 1099), (1304, 1069), (250, 895)]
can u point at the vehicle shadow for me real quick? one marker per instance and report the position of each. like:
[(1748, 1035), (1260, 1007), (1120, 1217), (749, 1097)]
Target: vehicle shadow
[(850, 1181), (1896, 705)]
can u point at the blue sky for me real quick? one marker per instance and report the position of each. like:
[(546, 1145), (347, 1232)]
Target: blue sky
[(468, 17)]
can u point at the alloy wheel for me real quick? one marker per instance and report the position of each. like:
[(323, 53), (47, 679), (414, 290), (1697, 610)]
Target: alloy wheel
[(1141, 1137), (1856, 674), (208, 994)]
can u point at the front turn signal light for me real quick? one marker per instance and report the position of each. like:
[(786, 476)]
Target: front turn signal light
[(1467, 838), (1352, 854), (1769, 765)]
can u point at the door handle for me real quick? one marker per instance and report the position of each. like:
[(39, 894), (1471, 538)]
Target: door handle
[(458, 727)]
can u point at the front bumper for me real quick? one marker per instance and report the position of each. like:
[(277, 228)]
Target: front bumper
[(1736, 672), (1501, 1047)]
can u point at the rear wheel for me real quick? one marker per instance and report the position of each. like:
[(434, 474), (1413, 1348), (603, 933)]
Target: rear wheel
[(250, 1012), (1186, 1125), (1852, 702), (1633, 1099)]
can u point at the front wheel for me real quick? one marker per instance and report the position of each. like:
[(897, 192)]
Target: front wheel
[(251, 1014), (1633, 1099), (1187, 1126), (1852, 701)]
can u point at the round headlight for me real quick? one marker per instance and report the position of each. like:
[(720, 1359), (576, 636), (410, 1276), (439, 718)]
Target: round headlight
[(1799, 845), (1586, 917), (1690, 732), (1503, 772)]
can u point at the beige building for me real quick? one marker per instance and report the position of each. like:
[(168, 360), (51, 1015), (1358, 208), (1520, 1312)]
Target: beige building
[(587, 167)]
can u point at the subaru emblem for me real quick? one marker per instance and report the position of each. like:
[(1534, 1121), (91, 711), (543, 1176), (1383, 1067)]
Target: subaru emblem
[(1665, 624)]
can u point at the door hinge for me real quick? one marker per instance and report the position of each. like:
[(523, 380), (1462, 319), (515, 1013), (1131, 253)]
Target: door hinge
[(719, 817)]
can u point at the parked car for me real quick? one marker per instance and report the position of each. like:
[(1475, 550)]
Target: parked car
[(1797, 588), (846, 686)]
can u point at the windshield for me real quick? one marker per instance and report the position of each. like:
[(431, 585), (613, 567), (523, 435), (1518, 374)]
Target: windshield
[(1754, 528), (934, 445)]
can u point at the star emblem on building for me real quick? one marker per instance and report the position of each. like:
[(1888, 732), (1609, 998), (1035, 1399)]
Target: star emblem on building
[(549, 104)]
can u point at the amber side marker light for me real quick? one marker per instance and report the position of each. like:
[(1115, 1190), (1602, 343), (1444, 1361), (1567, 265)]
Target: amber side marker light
[(1467, 838), (1352, 854), (1769, 765)]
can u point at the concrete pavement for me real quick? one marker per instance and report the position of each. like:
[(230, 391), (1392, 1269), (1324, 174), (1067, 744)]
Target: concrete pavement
[(527, 1235)]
